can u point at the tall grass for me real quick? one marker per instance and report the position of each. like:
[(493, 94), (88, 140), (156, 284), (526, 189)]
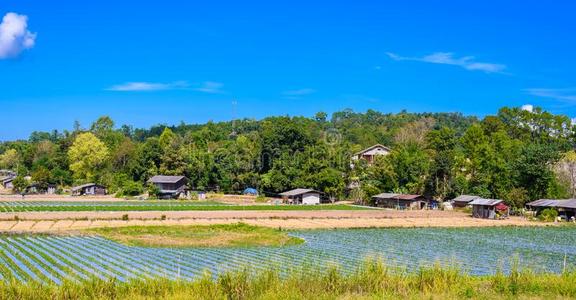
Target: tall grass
[(373, 279)]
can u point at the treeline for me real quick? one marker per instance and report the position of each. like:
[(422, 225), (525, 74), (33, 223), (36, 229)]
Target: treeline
[(513, 155)]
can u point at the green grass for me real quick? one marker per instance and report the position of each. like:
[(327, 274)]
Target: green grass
[(222, 235), (371, 280), (187, 207)]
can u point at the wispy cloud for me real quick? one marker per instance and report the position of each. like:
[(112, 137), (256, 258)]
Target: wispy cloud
[(14, 35), (447, 58), (567, 96), (297, 94), (210, 87), (148, 86)]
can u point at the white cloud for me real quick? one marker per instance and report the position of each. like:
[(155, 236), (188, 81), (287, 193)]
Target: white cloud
[(14, 35), (527, 107), (563, 95), (148, 86), (447, 58), (210, 87)]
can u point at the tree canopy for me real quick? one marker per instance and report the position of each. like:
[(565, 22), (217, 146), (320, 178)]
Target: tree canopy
[(515, 155)]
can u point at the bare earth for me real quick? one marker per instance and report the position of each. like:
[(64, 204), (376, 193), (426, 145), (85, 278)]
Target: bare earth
[(71, 221)]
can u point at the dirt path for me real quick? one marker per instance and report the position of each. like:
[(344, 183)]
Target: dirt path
[(231, 214), (288, 223)]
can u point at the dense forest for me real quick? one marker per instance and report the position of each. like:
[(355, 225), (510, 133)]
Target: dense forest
[(516, 155)]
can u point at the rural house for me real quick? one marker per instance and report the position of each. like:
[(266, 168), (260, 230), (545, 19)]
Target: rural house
[(370, 153), (463, 200), (488, 208), (37, 188), (566, 208), (301, 196), (88, 189), (170, 187), (400, 201), (7, 182)]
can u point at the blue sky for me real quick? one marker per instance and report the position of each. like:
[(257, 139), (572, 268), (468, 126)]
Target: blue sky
[(170, 61)]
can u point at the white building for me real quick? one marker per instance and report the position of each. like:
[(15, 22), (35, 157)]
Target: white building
[(371, 152), (302, 196)]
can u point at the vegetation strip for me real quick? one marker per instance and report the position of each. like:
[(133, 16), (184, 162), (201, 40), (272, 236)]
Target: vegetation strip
[(191, 207), (222, 235)]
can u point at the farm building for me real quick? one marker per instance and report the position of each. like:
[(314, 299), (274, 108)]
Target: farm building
[(36, 188), (463, 200), (88, 189), (400, 201), (566, 208), (170, 187), (488, 208), (7, 182), (370, 153), (302, 196)]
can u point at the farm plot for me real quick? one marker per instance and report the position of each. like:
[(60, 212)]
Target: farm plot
[(50, 259), (29, 206), (32, 206)]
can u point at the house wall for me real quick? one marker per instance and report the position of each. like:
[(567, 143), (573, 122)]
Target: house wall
[(403, 204), (311, 198), (483, 211)]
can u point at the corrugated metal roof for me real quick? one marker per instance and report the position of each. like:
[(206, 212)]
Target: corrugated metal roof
[(408, 197), (465, 198), (396, 196), (543, 203), (567, 203), (76, 188), (487, 202), (165, 179), (296, 192), (386, 195), (372, 147)]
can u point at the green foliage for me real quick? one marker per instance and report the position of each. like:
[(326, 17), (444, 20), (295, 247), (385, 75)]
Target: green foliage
[(87, 155), (20, 184), (515, 155), (548, 215)]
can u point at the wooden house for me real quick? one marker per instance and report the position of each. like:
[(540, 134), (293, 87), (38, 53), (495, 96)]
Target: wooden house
[(7, 182), (301, 196), (463, 200), (37, 188), (400, 201), (170, 187), (89, 189), (489, 208), (370, 153), (565, 207)]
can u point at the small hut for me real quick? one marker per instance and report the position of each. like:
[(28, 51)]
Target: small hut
[(170, 187), (89, 189), (301, 196), (489, 208), (400, 201), (565, 207), (463, 200)]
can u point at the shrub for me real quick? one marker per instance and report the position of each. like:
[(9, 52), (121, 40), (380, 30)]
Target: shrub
[(131, 188), (548, 215), (125, 217)]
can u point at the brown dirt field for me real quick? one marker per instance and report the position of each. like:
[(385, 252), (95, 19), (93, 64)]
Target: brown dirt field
[(231, 214), (63, 226)]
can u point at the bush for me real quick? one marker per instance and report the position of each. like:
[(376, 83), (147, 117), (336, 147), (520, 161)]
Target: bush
[(131, 188), (125, 217), (548, 215)]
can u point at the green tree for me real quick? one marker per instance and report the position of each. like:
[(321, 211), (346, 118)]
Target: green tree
[(88, 156), (9, 159)]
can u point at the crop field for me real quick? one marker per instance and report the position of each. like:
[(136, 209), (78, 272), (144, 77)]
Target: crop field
[(32, 206), (50, 259)]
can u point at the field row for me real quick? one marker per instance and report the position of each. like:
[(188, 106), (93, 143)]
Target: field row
[(50, 259), (31, 206)]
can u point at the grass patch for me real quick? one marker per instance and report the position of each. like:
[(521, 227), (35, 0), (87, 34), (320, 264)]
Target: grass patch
[(372, 280), (222, 235)]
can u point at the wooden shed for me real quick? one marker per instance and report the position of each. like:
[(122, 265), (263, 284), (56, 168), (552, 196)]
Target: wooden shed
[(565, 207), (488, 208), (171, 187), (301, 196), (89, 189), (400, 201), (464, 200)]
